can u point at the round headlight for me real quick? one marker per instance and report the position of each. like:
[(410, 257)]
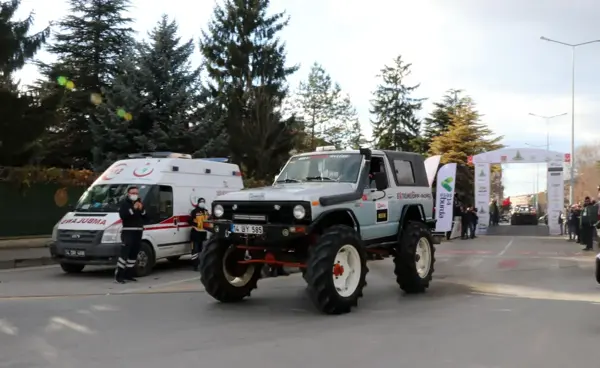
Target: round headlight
[(218, 211), (299, 212)]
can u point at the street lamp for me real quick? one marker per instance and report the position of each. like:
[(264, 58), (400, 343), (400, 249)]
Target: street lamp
[(547, 118), (572, 46)]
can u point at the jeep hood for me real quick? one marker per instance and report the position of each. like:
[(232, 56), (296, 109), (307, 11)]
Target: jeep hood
[(290, 192)]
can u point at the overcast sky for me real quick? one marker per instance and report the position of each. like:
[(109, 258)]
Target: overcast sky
[(491, 49)]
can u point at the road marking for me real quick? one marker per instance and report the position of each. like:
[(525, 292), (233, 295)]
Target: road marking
[(507, 247), (104, 308), (63, 322), (155, 286), (524, 292), (470, 262), (23, 269), (8, 328)]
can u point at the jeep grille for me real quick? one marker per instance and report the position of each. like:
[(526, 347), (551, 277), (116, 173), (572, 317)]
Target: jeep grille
[(263, 212)]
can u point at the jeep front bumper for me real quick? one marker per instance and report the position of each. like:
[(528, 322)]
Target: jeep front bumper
[(268, 233)]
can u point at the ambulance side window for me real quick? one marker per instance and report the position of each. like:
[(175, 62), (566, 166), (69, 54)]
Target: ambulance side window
[(165, 202)]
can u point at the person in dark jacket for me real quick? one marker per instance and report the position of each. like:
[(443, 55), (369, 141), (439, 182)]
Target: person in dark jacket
[(589, 217), (198, 235), (133, 216), (474, 221), (465, 217)]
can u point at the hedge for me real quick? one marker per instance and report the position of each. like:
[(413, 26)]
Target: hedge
[(30, 175)]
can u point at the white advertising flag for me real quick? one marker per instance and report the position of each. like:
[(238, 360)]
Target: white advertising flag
[(431, 165), (444, 197), (482, 197)]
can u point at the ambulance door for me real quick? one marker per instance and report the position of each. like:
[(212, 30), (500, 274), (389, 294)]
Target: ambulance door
[(165, 234)]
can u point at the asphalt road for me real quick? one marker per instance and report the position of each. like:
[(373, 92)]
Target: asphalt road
[(495, 302)]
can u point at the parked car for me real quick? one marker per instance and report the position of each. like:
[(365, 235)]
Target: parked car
[(524, 215)]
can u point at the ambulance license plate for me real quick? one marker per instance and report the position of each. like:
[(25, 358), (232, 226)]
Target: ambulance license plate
[(75, 253), (247, 229)]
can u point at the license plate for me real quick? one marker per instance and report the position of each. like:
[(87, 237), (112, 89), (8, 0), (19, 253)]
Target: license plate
[(247, 229), (75, 253)]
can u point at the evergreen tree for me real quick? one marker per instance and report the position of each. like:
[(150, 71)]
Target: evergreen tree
[(396, 125), (325, 111), (357, 139), (24, 115), (92, 40), (440, 118), (158, 89), (466, 136), (246, 66)]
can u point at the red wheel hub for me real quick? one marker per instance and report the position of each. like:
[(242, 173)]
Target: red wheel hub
[(338, 270)]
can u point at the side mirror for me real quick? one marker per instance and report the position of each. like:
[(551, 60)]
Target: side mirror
[(381, 182)]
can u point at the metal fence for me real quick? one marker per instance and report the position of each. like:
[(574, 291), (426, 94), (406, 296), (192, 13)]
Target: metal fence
[(34, 210)]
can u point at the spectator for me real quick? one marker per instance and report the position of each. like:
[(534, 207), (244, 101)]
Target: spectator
[(589, 218)]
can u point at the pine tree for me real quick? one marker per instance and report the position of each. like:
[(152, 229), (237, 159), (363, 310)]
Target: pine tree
[(357, 139), (246, 66), (396, 125), (158, 88), (24, 115), (92, 40), (323, 107), (440, 118), (466, 136)]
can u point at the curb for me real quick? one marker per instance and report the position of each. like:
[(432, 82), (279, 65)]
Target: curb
[(10, 245), (28, 262)]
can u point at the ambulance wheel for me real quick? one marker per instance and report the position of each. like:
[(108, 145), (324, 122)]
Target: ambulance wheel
[(222, 276), (336, 270), (145, 260), (72, 267)]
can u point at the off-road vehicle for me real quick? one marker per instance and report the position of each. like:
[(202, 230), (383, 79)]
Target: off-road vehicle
[(325, 212)]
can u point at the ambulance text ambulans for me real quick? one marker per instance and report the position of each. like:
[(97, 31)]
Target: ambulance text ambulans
[(169, 185)]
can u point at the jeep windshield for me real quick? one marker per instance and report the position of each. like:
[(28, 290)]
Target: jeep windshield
[(342, 168), (106, 197)]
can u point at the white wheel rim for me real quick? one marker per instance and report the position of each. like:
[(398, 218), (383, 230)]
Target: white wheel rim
[(347, 268), (423, 257), (235, 280)]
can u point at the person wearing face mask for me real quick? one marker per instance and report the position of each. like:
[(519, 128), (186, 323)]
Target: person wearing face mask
[(133, 216), (198, 235)]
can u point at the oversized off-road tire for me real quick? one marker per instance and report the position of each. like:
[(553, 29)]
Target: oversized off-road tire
[(415, 258), (145, 260), (223, 278), (598, 269), (336, 270), (72, 267)]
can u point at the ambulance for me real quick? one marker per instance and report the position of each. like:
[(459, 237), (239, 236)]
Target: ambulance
[(169, 185)]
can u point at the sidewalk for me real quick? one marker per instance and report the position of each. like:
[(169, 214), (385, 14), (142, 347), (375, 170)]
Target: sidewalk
[(26, 252)]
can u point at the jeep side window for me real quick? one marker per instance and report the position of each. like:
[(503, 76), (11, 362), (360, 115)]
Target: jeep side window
[(377, 165), (404, 172)]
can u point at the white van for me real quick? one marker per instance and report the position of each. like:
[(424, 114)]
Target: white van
[(169, 185)]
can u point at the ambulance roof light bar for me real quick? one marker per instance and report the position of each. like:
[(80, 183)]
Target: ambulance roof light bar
[(216, 159), (326, 148), (159, 155)]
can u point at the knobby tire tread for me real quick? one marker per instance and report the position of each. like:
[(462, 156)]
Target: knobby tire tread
[(405, 267), (213, 278), (319, 277)]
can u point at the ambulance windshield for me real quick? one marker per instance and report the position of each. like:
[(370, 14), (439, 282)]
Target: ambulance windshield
[(106, 197)]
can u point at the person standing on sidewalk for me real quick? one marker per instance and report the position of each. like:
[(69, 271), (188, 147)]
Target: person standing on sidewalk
[(133, 216), (198, 235), (589, 218)]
